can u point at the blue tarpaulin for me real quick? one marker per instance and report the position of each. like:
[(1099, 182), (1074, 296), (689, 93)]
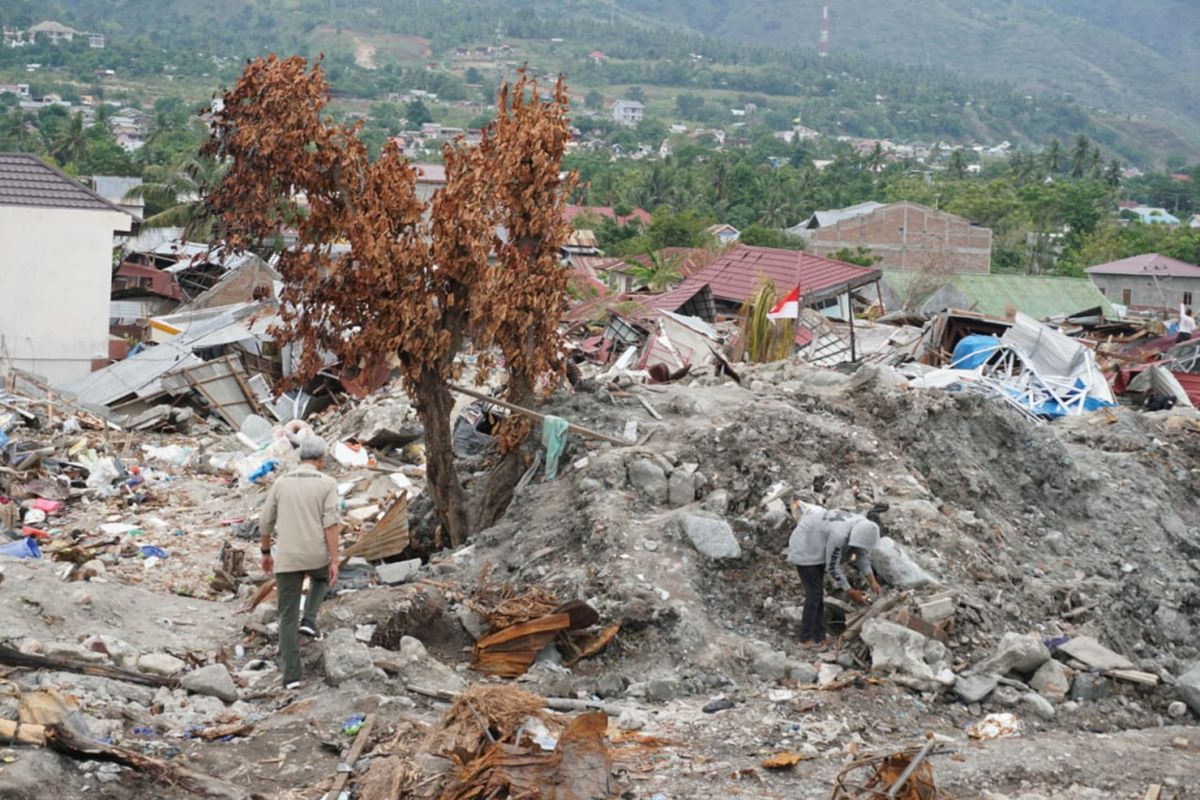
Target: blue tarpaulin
[(973, 351)]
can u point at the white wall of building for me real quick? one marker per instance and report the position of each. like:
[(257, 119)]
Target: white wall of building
[(55, 277)]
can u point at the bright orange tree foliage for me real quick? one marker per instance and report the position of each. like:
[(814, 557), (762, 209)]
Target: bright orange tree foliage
[(378, 274)]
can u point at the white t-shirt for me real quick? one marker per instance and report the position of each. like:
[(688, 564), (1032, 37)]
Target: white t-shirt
[(1187, 324)]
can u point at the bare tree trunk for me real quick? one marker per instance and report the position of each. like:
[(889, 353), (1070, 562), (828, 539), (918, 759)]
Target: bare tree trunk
[(435, 405), (497, 493)]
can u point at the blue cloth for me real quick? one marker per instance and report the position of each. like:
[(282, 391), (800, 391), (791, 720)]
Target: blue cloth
[(973, 351), (554, 437)]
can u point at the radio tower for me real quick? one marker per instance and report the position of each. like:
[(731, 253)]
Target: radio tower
[(825, 31)]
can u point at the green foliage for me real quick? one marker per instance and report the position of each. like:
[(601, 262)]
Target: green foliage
[(763, 339), (760, 236), (593, 100), (862, 256), (655, 270), (417, 113)]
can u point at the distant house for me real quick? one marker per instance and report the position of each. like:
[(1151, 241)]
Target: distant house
[(628, 112), (113, 188), (597, 57), (57, 268), (1149, 282), (723, 233), (1151, 215), (903, 235), (1194, 222), (54, 32), (430, 178)]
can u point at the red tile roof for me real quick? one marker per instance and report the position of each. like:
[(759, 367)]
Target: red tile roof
[(640, 214), (1190, 382), (1148, 264), (738, 274)]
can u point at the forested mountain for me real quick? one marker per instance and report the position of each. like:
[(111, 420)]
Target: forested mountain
[(1128, 57), (984, 71)]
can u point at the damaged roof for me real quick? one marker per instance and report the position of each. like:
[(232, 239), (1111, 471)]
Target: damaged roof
[(737, 275)]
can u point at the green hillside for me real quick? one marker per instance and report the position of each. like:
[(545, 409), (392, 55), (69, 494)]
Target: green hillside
[(763, 53), (1121, 57)]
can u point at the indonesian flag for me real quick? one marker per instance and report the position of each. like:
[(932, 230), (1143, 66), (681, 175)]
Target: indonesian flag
[(788, 307)]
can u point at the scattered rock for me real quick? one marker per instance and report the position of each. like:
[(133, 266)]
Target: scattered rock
[(828, 673), (802, 672), (398, 571), (711, 535), (1016, 651), (681, 488), (1090, 687), (661, 691), (213, 680), (895, 567), (1039, 705), (1188, 687), (1006, 696), (1052, 681), (1177, 709), (974, 688), (611, 684), (345, 657), (632, 719), (768, 664), (900, 651), (161, 664), (649, 480), (721, 703)]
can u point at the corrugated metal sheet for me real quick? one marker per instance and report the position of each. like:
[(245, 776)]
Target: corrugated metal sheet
[(1038, 296), (223, 383), (139, 375)]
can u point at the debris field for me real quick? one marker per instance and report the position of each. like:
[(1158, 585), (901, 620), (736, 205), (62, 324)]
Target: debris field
[(628, 628)]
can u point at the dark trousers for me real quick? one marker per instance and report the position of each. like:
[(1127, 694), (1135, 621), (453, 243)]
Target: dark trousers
[(288, 585), (812, 623)]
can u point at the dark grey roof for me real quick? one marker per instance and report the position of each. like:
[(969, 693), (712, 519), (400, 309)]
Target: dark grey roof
[(26, 180)]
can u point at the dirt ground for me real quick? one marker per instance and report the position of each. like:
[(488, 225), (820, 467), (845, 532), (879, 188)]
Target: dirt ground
[(1082, 527)]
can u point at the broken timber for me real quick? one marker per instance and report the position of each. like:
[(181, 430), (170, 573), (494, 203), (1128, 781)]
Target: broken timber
[(15, 658), (582, 431)]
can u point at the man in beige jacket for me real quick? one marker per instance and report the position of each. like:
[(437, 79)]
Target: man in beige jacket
[(301, 514)]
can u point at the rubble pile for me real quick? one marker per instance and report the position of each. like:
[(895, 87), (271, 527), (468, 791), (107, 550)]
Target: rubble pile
[(630, 625)]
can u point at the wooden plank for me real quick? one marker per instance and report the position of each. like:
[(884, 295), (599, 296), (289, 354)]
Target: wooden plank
[(356, 749), (649, 408), (1133, 676)]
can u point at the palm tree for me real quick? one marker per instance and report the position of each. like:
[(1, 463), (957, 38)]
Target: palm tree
[(1054, 157), (17, 131), (657, 272), (876, 161), (178, 194), (1112, 173), (1081, 154), (958, 164), (71, 142)]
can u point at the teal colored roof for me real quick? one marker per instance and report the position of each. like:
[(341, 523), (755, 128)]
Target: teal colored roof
[(1038, 296)]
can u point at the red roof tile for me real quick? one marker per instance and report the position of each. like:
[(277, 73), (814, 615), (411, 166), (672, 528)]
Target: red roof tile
[(1190, 382), (738, 274), (1148, 264)]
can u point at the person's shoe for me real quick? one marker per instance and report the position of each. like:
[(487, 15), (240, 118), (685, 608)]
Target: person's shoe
[(310, 629), (293, 685)]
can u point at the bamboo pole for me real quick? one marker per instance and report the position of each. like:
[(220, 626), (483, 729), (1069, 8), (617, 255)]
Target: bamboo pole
[(582, 431)]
